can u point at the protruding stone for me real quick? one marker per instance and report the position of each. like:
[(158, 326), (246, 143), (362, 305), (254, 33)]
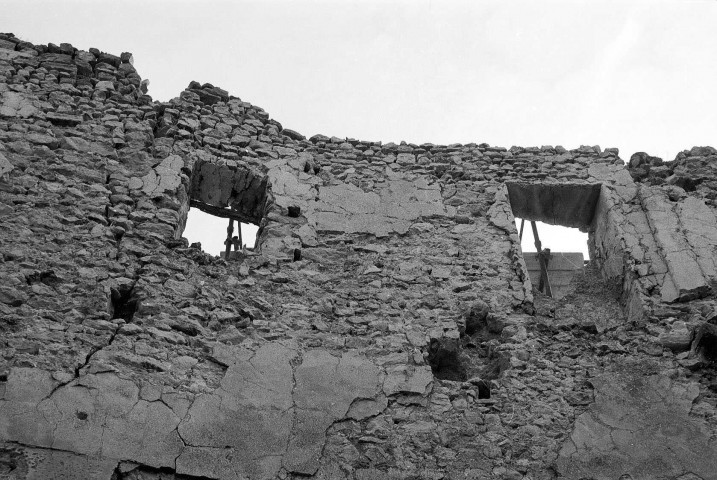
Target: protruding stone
[(5, 165), (678, 338)]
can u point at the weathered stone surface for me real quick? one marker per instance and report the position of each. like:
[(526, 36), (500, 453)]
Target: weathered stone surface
[(241, 429), (37, 464), (12, 296), (165, 177), (384, 325), (326, 386), (412, 380), (63, 119), (15, 104), (639, 426), (686, 278), (678, 338), (97, 415), (348, 209), (5, 165), (261, 403)]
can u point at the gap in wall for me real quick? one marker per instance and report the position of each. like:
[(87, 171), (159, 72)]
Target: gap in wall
[(211, 231), (555, 237), (568, 253)]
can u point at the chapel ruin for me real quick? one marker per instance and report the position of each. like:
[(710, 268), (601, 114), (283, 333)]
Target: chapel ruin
[(384, 327)]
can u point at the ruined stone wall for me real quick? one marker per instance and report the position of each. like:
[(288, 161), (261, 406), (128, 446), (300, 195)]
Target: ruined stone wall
[(384, 327)]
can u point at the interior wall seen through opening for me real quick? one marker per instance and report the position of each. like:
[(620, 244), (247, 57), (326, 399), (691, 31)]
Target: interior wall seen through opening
[(555, 237), (568, 252)]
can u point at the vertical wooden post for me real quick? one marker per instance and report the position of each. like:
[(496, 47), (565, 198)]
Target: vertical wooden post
[(541, 260), (545, 254), (230, 231), (241, 242)]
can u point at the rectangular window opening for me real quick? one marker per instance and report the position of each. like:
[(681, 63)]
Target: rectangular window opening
[(562, 215), (210, 231), (565, 252), (227, 207)]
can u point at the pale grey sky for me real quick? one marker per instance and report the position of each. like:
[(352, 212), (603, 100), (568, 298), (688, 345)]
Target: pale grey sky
[(639, 76)]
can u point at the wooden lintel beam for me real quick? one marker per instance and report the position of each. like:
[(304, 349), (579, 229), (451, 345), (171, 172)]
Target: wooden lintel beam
[(220, 212)]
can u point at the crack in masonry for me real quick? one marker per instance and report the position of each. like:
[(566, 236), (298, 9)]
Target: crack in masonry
[(179, 434), (38, 447), (293, 407), (118, 475), (89, 355), (79, 367)]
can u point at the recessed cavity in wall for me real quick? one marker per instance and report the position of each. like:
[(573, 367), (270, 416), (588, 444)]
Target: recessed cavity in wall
[(554, 221), (124, 302)]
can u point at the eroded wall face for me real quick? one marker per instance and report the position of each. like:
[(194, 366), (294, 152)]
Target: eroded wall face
[(404, 341)]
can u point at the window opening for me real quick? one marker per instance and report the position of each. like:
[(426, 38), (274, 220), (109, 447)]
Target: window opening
[(553, 222), (543, 258), (564, 253), (227, 201), (212, 232)]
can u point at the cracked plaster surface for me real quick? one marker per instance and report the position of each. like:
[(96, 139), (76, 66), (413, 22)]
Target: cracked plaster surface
[(265, 415), (686, 277), (393, 208), (639, 425)]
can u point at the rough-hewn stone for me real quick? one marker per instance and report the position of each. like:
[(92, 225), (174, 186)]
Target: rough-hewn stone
[(385, 324)]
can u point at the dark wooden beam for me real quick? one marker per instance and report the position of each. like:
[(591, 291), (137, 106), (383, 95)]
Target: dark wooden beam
[(220, 212), (228, 242), (541, 260)]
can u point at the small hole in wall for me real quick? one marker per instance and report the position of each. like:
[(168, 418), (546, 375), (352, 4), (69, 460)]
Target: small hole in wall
[(294, 211), (706, 342), (211, 232), (483, 388), (445, 359), (124, 302)]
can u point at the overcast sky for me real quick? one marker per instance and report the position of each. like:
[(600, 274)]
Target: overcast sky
[(640, 76)]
